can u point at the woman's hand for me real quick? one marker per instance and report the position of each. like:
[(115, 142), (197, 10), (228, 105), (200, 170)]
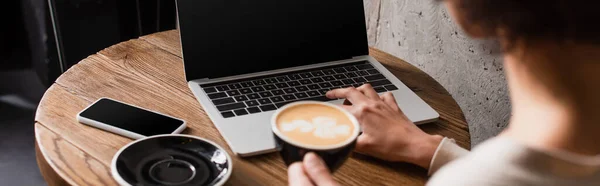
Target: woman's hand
[(311, 171), (387, 133)]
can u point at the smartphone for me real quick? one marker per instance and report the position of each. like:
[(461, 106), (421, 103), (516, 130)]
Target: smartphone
[(128, 120)]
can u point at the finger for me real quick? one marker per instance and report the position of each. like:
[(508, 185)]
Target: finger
[(368, 90), (317, 170), (388, 98), (350, 93), (297, 176)]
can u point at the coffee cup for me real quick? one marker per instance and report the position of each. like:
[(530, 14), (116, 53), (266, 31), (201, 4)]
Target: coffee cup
[(171, 159), (320, 127)]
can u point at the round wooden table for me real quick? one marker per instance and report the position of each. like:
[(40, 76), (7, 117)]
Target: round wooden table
[(148, 72)]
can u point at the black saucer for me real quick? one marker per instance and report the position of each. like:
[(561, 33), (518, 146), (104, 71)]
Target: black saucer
[(171, 160)]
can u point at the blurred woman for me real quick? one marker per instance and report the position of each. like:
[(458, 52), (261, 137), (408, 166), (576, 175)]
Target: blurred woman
[(552, 63)]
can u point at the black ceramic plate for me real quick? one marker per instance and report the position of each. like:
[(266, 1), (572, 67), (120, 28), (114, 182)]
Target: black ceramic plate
[(171, 159)]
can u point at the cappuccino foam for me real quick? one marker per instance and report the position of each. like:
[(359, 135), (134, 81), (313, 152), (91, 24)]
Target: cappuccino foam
[(315, 124)]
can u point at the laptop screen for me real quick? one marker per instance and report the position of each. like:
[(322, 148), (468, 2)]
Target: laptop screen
[(231, 37)]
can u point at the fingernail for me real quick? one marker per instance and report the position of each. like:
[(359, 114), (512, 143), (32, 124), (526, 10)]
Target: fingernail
[(312, 160)]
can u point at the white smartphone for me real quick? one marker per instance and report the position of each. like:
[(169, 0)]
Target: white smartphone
[(128, 120)]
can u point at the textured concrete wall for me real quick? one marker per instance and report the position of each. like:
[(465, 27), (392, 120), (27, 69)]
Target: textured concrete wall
[(422, 33)]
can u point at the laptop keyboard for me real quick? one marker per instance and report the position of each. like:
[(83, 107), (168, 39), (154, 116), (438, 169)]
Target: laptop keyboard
[(267, 93)]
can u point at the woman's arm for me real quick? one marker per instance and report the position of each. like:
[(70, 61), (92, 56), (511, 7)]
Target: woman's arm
[(387, 134)]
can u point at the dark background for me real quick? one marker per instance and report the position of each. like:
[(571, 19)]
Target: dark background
[(33, 55)]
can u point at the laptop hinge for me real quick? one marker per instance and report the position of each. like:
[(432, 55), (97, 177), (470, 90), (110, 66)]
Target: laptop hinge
[(208, 80), (201, 81)]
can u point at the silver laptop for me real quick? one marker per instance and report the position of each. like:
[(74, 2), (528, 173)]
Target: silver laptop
[(244, 59)]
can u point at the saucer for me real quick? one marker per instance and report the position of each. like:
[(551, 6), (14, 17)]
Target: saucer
[(171, 159)]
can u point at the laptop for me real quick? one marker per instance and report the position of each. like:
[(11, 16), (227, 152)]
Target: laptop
[(244, 59)]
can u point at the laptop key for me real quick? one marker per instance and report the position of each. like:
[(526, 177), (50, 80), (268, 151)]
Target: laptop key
[(347, 81), (245, 91), (217, 95), (325, 85), (269, 107), (282, 85), (364, 66), (374, 77), (227, 114), (347, 86), (222, 88), (339, 76), (252, 103), (359, 80), (294, 77), (391, 87), (247, 84), (351, 74), (357, 85), (329, 72), (258, 89), (253, 96), (277, 99), (271, 80), (270, 87), (233, 93), (281, 104), (380, 83), (339, 70), (317, 73), (293, 83), (264, 101), (253, 110), (235, 86), (289, 90), (240, 112), (301, 95), (241, 98), (328, 78), (301, 88), (316, 80), (313, 87), (337, 83), (313, 93), (289, 97), (304, 81), (282, 79), (210, 90), (362, 73), (232, 106), (265, 94), (306, 75), (373, 71), (323, 91), (351, 68), (223, 101), (319, 98), (259, 82), (379, 89), (277, 92)]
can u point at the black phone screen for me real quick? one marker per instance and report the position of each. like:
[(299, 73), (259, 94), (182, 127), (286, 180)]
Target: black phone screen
[(130, 118)]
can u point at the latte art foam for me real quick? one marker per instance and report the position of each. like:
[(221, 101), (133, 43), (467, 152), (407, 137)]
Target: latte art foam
[(315, 124), (321, 127)]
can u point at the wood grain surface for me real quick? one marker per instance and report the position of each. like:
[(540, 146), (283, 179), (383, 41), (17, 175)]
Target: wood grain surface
[(148, 72)]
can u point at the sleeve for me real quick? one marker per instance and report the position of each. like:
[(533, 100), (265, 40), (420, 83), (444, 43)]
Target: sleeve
[(447, 151)]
